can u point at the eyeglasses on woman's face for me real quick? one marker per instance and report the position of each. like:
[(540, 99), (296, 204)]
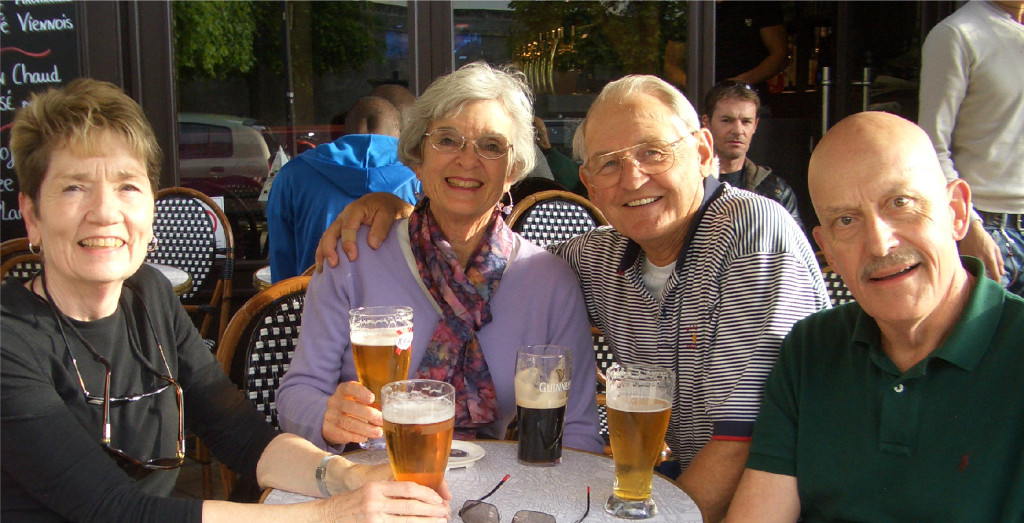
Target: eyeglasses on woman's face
[(488, 146), (478, 511)]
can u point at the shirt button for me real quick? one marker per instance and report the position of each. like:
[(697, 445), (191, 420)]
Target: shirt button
[(898, 388)]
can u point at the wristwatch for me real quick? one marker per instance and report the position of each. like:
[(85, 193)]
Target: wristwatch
[(321, 474)]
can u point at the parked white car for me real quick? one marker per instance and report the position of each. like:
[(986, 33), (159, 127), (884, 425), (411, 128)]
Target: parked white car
[(217, 146)]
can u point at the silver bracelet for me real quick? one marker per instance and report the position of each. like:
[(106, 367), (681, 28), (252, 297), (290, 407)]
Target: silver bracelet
[(321, 473)]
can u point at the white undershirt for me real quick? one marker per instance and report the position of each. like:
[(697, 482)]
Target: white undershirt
[(656, 277)]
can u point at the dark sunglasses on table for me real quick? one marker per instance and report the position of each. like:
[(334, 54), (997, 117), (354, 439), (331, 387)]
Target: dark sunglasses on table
[(477, 511)]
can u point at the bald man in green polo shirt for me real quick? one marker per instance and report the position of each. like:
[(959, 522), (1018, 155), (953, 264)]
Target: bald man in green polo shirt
[(907, 405)]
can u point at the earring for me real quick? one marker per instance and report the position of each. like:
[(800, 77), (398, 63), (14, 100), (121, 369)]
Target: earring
[(506, 209), (152, 245), (38, 249)]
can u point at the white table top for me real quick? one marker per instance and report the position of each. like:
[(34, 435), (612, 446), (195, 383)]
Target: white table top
[(261, 278), (180, 280), (560, 490)]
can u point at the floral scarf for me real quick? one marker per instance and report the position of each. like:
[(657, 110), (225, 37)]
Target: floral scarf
[(454, 354)]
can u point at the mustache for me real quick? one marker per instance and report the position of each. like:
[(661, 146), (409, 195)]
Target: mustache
[(905, 256)]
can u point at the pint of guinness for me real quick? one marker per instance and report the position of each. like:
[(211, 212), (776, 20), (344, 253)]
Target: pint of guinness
[(543, 376)]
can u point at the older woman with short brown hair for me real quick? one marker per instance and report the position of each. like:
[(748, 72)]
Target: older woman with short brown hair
[(102, 371)]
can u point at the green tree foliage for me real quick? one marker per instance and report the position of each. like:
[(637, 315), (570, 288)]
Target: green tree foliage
[(219, 38), (214, 39), (343, 36)]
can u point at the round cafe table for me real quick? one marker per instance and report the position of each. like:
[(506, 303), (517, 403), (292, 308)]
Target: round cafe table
[(560, 490), (180, 280), (261, 278)]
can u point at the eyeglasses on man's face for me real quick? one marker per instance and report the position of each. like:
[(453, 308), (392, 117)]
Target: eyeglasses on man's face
[(478, 511), (488, 146), (651, 158)]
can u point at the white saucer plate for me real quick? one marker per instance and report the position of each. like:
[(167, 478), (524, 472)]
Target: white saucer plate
[(472, 450)]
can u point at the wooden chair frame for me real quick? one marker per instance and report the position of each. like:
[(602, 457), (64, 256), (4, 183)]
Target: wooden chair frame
[(239, 332), (15, 255), (219, 306), (521, 208), (221, 272)]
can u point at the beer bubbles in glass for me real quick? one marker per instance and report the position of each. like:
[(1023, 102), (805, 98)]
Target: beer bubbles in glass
[(543, 375), (381, 341), (639, 404), (419, 419)]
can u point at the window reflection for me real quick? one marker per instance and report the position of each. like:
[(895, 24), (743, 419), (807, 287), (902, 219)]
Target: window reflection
[(233, 64), (569, 48)]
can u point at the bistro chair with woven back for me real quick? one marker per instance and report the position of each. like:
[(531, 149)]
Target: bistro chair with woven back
[(186, 226), (838, 293), (257, 347), (19, 260), (554, 216)]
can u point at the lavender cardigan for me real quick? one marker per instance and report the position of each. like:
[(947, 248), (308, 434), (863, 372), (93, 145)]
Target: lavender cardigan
[(537, 302)]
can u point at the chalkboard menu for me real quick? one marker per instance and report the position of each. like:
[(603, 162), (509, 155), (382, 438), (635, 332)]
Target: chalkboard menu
[(38, 49)]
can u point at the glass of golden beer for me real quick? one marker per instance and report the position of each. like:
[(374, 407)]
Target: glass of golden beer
[(419, 420), (381, 338), (639, 405), (543, 375)]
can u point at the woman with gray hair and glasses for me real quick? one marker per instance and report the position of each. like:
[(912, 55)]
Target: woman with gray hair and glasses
[(101, 369), (478, 291)]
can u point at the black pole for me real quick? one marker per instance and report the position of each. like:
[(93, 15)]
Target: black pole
[(286, 22)]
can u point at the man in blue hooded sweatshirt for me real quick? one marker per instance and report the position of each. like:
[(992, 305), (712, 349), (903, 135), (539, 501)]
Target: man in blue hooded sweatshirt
[(312, 188)]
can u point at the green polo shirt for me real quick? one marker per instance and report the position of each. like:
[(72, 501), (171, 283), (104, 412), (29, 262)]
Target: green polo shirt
[(943, 441)]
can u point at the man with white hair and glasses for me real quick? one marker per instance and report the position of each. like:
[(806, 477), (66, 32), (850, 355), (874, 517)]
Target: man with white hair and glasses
[(694, 275)]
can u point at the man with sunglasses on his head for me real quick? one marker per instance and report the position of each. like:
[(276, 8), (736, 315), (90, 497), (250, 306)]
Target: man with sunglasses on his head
[(694, 275), (731, 114)]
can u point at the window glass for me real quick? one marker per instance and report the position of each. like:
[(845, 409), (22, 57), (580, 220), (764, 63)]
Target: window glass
[(570, 50), (232, 65), (203, 141)]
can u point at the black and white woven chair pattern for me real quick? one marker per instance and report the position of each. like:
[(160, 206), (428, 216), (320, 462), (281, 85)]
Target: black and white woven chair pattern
[(838, 293), (554, 216), (17, 261), (604, 356), (270, 353), (260, 341), (258, 345), (186, 226)]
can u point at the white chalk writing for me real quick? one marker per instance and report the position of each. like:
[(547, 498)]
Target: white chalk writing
[(28, 23), (20, 75), (6, 157), (8, 214), (7, 102)]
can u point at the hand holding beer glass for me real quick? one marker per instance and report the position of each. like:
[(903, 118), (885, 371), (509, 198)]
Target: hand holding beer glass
[(543, 375), (419, 420), (639, 405), (381, 338)]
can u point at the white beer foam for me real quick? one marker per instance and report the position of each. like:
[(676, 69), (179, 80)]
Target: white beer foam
[(627, 403), (418, 412), (529, 396), (375, 337)]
